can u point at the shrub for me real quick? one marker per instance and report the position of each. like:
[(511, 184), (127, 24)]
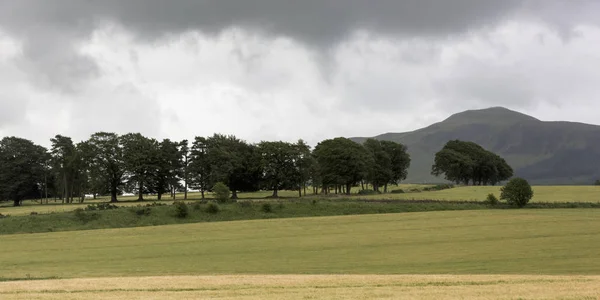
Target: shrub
[(141, 211), (438, 187), (153, 204), (597, 182), (368, 192), (101, 206), (33, 213), (314, 202), (197, 206), (222, 192), (398, 191), (491, 199), (213, 208), (267, 207), (181, 209), (84, 216), (517, 192)]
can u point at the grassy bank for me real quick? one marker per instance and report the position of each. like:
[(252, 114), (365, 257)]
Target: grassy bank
[(152, 214)]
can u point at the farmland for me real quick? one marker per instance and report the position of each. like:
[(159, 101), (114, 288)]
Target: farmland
[(515, 246), (543, 194)]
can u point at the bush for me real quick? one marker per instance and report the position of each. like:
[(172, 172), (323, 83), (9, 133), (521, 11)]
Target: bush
[(597, 182), (33, 213), (181, 209), (213, 208), (491, 199), (142, 211), (398, 191), (267, 207), (222, 192), (84, 216), (197, 206), (101, 206), (517, 192), (153, 204), (368, 192), (438, 187)]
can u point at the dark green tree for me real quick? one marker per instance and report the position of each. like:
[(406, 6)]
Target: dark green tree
[(342, 162), (63, 153), (199, 172), (140, 160), (517, 192), (106, 161), (400, 160), (279, 165), (169, 168), (22, 165), (380, 172)]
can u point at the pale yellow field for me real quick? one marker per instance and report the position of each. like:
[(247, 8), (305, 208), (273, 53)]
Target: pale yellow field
[(310, 287)]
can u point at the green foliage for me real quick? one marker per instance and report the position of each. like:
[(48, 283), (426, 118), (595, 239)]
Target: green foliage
[(597, 182), (492, 199), (342, 162), (517, 192), (368, 192), (389, 164), (104, 154), (22, 168), (438, 187), (221, 192), (84, 216), (141, 211), (101, 206), (397, 191), (464, 162), (266, 207), (213, 208), (181, 209), (280, 165), (197, 206)]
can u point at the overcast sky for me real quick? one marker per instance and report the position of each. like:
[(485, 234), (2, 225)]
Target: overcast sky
[(284, 70)]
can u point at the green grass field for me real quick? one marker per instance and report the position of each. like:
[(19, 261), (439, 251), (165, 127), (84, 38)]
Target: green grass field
[(549, 194), (557, 241)]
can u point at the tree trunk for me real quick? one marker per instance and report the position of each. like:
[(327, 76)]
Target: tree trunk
[(113, 194), (362, 185), (275, 195), (159, 195), (17, 202), (385, 188), (140, 191), (348, 188), (202, 192), (304, 186), (234, 194), (300, 192), (185, 191)]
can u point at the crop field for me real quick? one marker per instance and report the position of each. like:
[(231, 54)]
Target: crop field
[(310, 287), (558, 241), (484, 254)]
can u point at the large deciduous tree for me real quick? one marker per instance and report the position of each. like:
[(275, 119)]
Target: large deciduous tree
[(140, 158), (465, 162), (22, 165), (106, 161), (279, 165), (342, 162)]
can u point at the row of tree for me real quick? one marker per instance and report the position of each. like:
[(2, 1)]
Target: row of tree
[(108, 164)]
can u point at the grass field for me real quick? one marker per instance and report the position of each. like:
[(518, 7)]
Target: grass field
[(549, 194), (310, 287), (457, 242)]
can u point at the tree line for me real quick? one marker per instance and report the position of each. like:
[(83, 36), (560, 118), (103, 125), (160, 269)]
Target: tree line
[(108, 164)]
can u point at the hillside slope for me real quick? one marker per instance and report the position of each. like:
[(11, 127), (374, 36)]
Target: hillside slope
[(542, 152)]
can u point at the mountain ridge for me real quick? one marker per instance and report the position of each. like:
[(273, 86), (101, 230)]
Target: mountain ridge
[(544, 152)]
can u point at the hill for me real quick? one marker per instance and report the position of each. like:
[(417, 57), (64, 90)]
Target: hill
[(542, 152)]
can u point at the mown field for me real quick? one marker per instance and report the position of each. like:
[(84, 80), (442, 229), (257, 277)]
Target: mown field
[(549, 194), (310, 287), (557, 241)]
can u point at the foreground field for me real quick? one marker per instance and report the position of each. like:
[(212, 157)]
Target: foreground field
[(310, 287), (558, 241)]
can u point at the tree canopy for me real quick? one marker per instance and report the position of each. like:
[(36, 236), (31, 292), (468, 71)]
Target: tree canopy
[(468, 162)]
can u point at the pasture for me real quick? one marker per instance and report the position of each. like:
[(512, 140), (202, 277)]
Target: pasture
[(310, 287), (549, 242), (542, 194)]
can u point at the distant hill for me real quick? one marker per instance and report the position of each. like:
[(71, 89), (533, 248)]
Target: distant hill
[(542, 152)]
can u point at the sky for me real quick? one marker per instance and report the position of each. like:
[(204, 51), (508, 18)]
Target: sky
[(289, 70)]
